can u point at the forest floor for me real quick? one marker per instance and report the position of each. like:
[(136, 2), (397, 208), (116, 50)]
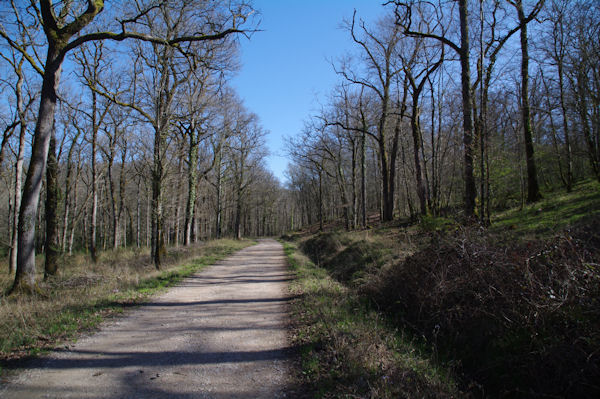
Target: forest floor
[(438, 309), (221, 333)]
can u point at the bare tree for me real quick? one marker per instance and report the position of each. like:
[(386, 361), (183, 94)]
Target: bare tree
[(380, 54), (404, 19), (21, 121), (417, 79), (63, 24), (245, 149), (533, 189), (93, 68)]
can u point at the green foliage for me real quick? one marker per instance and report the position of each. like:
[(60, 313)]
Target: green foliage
[(347, 257), (430, 223)]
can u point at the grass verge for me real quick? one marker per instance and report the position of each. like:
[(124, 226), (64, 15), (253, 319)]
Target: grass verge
[(84, 294), (348, 349)]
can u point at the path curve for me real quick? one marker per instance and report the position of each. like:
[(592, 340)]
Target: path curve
[(219, 334)]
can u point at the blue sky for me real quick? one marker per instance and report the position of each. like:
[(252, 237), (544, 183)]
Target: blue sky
[(286, 69)]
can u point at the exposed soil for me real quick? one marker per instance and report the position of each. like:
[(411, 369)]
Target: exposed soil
[(219, 334)]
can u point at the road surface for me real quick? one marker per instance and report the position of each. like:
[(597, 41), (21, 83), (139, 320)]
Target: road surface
[(219, 334)]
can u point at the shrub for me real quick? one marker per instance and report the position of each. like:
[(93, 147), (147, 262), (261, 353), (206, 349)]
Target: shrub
[(523, 320)]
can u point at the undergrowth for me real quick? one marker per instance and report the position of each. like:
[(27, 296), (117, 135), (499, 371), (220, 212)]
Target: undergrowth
[(348, 349), (520, 320), (556, 211), (512, 310), (83, 294)]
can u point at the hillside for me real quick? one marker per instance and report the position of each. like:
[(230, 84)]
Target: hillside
[(438, 309)]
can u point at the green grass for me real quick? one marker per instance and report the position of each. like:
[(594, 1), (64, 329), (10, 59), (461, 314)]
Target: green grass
[(84, 294), (348, 349), (556, 211)]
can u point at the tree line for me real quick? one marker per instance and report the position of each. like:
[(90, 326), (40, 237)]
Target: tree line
[(119, 128), (455, 108)]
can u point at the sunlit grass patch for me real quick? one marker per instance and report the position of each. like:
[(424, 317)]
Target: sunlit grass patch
[(556, 211)]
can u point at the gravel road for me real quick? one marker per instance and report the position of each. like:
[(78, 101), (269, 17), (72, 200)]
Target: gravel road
[(220, 334)]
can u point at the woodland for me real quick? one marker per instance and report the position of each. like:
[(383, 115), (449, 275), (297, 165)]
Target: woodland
[(461, 134)]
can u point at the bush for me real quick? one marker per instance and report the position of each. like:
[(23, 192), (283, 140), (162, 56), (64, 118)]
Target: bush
[(523, 320)]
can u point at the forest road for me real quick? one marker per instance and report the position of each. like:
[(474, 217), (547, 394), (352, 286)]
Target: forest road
[(219, 334)]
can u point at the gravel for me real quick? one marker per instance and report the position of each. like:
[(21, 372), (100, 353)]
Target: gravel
[(219, 334)]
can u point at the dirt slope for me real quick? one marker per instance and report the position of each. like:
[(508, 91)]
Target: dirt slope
[(220, 334)]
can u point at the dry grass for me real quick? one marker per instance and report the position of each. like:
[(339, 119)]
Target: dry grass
[(83, 294)]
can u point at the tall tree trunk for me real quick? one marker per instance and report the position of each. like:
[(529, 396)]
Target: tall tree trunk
[(387, 188), (72, 234), (354, 193), (363, 176), (219, 210), (178, 202), (157, 204), (138, 216), (94, 211), (416, 136), (148, 216), (65, 227), (192, 183), (320, 200), (121, 204), (533, 189), (12, 265), (25, 273), (344, 195), (238, 215), (111, 196), (51, 208), (387, 211), (465, 74), (481, 128), (563, 106)]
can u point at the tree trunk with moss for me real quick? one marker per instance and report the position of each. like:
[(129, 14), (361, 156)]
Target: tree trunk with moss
[(52, 246), (25, 273), (533, 188)]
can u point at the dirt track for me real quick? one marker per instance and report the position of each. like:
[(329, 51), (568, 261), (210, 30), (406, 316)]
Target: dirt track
[(220, 334)]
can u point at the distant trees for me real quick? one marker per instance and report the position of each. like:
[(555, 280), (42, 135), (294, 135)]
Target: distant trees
[(158, 150), (380, 52), (409, 90)]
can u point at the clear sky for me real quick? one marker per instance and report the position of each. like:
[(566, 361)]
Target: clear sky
[(286, 69)]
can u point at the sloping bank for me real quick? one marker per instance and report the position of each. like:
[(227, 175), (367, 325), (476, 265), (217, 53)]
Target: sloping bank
[(459, 315), (347, 348)]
